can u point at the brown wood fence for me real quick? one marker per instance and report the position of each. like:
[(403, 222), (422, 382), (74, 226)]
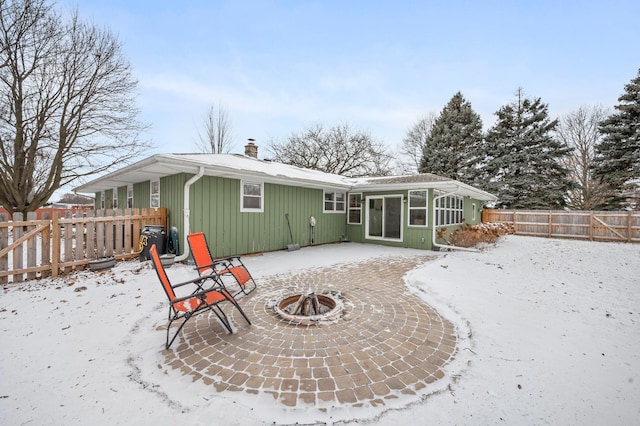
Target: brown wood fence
[(587, 225), (59, 244)]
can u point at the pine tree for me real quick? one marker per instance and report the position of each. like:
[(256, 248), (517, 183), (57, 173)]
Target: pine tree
[(617, 161), (450, 150), (522, 163)]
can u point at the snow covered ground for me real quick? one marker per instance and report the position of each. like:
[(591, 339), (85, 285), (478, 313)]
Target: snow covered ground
[(549, 334)]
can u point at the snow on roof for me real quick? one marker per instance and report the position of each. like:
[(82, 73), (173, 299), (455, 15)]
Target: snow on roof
[(417, 178), (236, 166), (250, 165)]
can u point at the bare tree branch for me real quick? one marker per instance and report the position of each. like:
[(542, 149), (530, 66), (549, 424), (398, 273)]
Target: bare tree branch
[(216, 137), (338, 150), (413, 143), (579, 130), (67, 106)]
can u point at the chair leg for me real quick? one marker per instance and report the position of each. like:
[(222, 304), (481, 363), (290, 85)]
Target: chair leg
[(169, 343), (222, 317), (231, 299)]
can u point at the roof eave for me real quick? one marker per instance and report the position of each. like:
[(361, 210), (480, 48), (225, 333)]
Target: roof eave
[(447, 186)]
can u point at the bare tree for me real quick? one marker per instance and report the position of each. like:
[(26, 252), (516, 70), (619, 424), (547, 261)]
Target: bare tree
[(216, 136), (67, 108), (70, 198), (413, 143), (579, 130), (338, 150)]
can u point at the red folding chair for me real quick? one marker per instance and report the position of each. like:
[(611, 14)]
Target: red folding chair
[(229, 266), (198, 299)]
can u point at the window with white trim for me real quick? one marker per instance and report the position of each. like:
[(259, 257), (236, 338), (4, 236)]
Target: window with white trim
[(418, 208), (129, 196), (154, 202), (251, 197), (102, 200), (334, 202), (355, 209), (474, 209), (449, 210), (114, 198)]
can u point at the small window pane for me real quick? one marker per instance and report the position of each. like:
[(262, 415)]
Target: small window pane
[(418, 199), (251, 202), (252, 189)]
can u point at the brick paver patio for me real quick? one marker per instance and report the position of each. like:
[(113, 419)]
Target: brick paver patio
[(388, 345)]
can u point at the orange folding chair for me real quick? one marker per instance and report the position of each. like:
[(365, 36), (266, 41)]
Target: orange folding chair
[(198, 299), (231, 266)]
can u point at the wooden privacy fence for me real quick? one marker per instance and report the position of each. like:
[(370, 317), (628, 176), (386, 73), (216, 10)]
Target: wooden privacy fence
[(588, 225), (60, 244)]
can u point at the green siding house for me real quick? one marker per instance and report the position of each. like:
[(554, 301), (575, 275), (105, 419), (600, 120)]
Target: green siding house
[(241, 203)]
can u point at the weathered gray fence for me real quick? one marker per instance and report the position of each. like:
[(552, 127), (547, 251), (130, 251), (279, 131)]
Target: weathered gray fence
[(588, 225)]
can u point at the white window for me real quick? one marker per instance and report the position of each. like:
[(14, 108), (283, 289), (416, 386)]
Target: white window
[(334, 202), (418, 208), (102, 200), (155, 194), (114, 202), (251, 197), (449, 210), (474, 209), (355, 209), (129, 196)]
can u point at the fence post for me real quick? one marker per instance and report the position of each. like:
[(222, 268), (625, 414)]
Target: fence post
[(4, 243), (90, 236), (55, 245), (17, 251), (31, 246), (550, 223), (591, 227), (629, 227), (109, 229), (68, 242), (45, 248), (100, 250)]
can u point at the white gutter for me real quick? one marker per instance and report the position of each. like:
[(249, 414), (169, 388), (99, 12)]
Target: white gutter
[(434, 233), (186, 213)]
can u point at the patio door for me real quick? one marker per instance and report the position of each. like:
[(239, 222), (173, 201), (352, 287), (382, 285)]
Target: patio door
[(384, 217)]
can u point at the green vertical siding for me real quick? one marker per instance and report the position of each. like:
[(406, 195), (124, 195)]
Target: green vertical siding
[(215, 210), (141, 195), (172, 197), (413, 237)]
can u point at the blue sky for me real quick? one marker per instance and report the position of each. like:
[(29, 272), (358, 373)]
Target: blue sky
[(278, 67)]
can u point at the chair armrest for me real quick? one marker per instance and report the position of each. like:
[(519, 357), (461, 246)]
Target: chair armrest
[(199, 279), (212, 264), (197, 294)]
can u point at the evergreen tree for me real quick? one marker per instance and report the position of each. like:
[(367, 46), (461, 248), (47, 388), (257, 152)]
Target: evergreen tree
[(523, 162), (617, 161), (450, 149)]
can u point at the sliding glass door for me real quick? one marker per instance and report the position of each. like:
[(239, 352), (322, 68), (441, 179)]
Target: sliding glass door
[(384, 217)]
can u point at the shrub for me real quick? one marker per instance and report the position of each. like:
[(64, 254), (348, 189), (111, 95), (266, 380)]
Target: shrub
[(469, 236)]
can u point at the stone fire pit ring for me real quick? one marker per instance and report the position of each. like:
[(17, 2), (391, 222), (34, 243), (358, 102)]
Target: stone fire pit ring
[(332, 303)]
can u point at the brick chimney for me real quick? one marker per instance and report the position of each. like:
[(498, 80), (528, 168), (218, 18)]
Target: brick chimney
[(251, 149)]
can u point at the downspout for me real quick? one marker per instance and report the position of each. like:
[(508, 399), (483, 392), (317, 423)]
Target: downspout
[(434, 233), (186, 213)]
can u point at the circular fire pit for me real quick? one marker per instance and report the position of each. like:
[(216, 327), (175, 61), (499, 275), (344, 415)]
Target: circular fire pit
[(311, 308)]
